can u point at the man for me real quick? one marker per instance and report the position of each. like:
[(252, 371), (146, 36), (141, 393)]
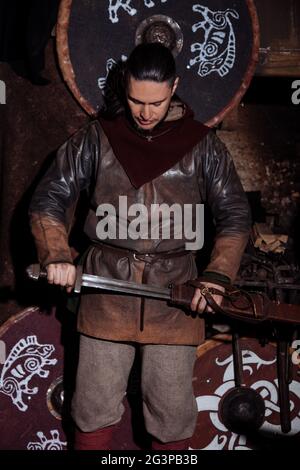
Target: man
[(146, 153)]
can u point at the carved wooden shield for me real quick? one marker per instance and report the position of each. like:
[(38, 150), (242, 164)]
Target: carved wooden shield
[(215, 43)]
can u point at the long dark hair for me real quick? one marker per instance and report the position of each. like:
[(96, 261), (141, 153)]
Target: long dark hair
[(149, 61)]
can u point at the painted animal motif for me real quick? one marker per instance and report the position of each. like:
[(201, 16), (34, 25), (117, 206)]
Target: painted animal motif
[(115, 5), (54, 443), (217, 51), (110, 64), (26, 359)]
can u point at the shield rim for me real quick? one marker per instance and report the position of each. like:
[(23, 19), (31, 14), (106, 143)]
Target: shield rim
[(68, 73), (15, 318)]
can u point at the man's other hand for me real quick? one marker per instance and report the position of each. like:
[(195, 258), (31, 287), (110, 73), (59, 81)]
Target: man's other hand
[(62, 274), (199, 303)]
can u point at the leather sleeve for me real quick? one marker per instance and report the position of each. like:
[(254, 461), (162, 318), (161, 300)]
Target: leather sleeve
[(225, 195), (71, 172), (51, 239)]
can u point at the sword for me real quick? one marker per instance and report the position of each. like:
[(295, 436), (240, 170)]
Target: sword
[(35, 272), (237, 304)]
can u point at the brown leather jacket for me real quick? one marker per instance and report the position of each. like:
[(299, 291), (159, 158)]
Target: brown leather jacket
[(205, 175)]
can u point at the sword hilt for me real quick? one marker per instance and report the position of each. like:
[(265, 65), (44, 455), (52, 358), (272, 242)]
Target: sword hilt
[(78, 281), (35, 272)]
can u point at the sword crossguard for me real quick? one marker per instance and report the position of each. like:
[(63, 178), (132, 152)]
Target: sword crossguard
[(78, 282)]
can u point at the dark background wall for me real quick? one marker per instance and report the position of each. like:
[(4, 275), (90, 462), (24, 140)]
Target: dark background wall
[(34, 122)]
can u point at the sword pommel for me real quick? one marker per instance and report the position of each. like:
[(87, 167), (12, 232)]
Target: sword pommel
[(35, 272)]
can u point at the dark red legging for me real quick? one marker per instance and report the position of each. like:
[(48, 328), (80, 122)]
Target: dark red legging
[(96, 440), (101, 440), (176, 445)]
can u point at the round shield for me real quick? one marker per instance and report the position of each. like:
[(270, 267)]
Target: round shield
[(31, 395), (215, 43), (38, 360), (213, 381)]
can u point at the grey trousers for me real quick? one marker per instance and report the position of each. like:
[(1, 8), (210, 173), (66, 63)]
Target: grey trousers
[(169, 405)]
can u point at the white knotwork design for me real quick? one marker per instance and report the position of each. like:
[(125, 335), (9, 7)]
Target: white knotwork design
[(268, 390), (249, 357), (115, 5), (26, 359), (151, 3), (54, 443), (110, 63), (217, 51)]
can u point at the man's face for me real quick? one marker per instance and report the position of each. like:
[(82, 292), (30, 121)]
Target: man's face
[(149, 101)]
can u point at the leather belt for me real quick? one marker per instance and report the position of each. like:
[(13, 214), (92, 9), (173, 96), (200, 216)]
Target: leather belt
[(145, 257)]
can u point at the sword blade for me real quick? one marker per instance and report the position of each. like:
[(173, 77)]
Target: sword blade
[(125, 287)]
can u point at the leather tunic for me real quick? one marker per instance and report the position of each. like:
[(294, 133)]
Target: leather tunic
[(206, 175)]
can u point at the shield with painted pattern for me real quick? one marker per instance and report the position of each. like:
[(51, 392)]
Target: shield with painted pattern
[(38, 360), (214, 378), (215, 43)]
